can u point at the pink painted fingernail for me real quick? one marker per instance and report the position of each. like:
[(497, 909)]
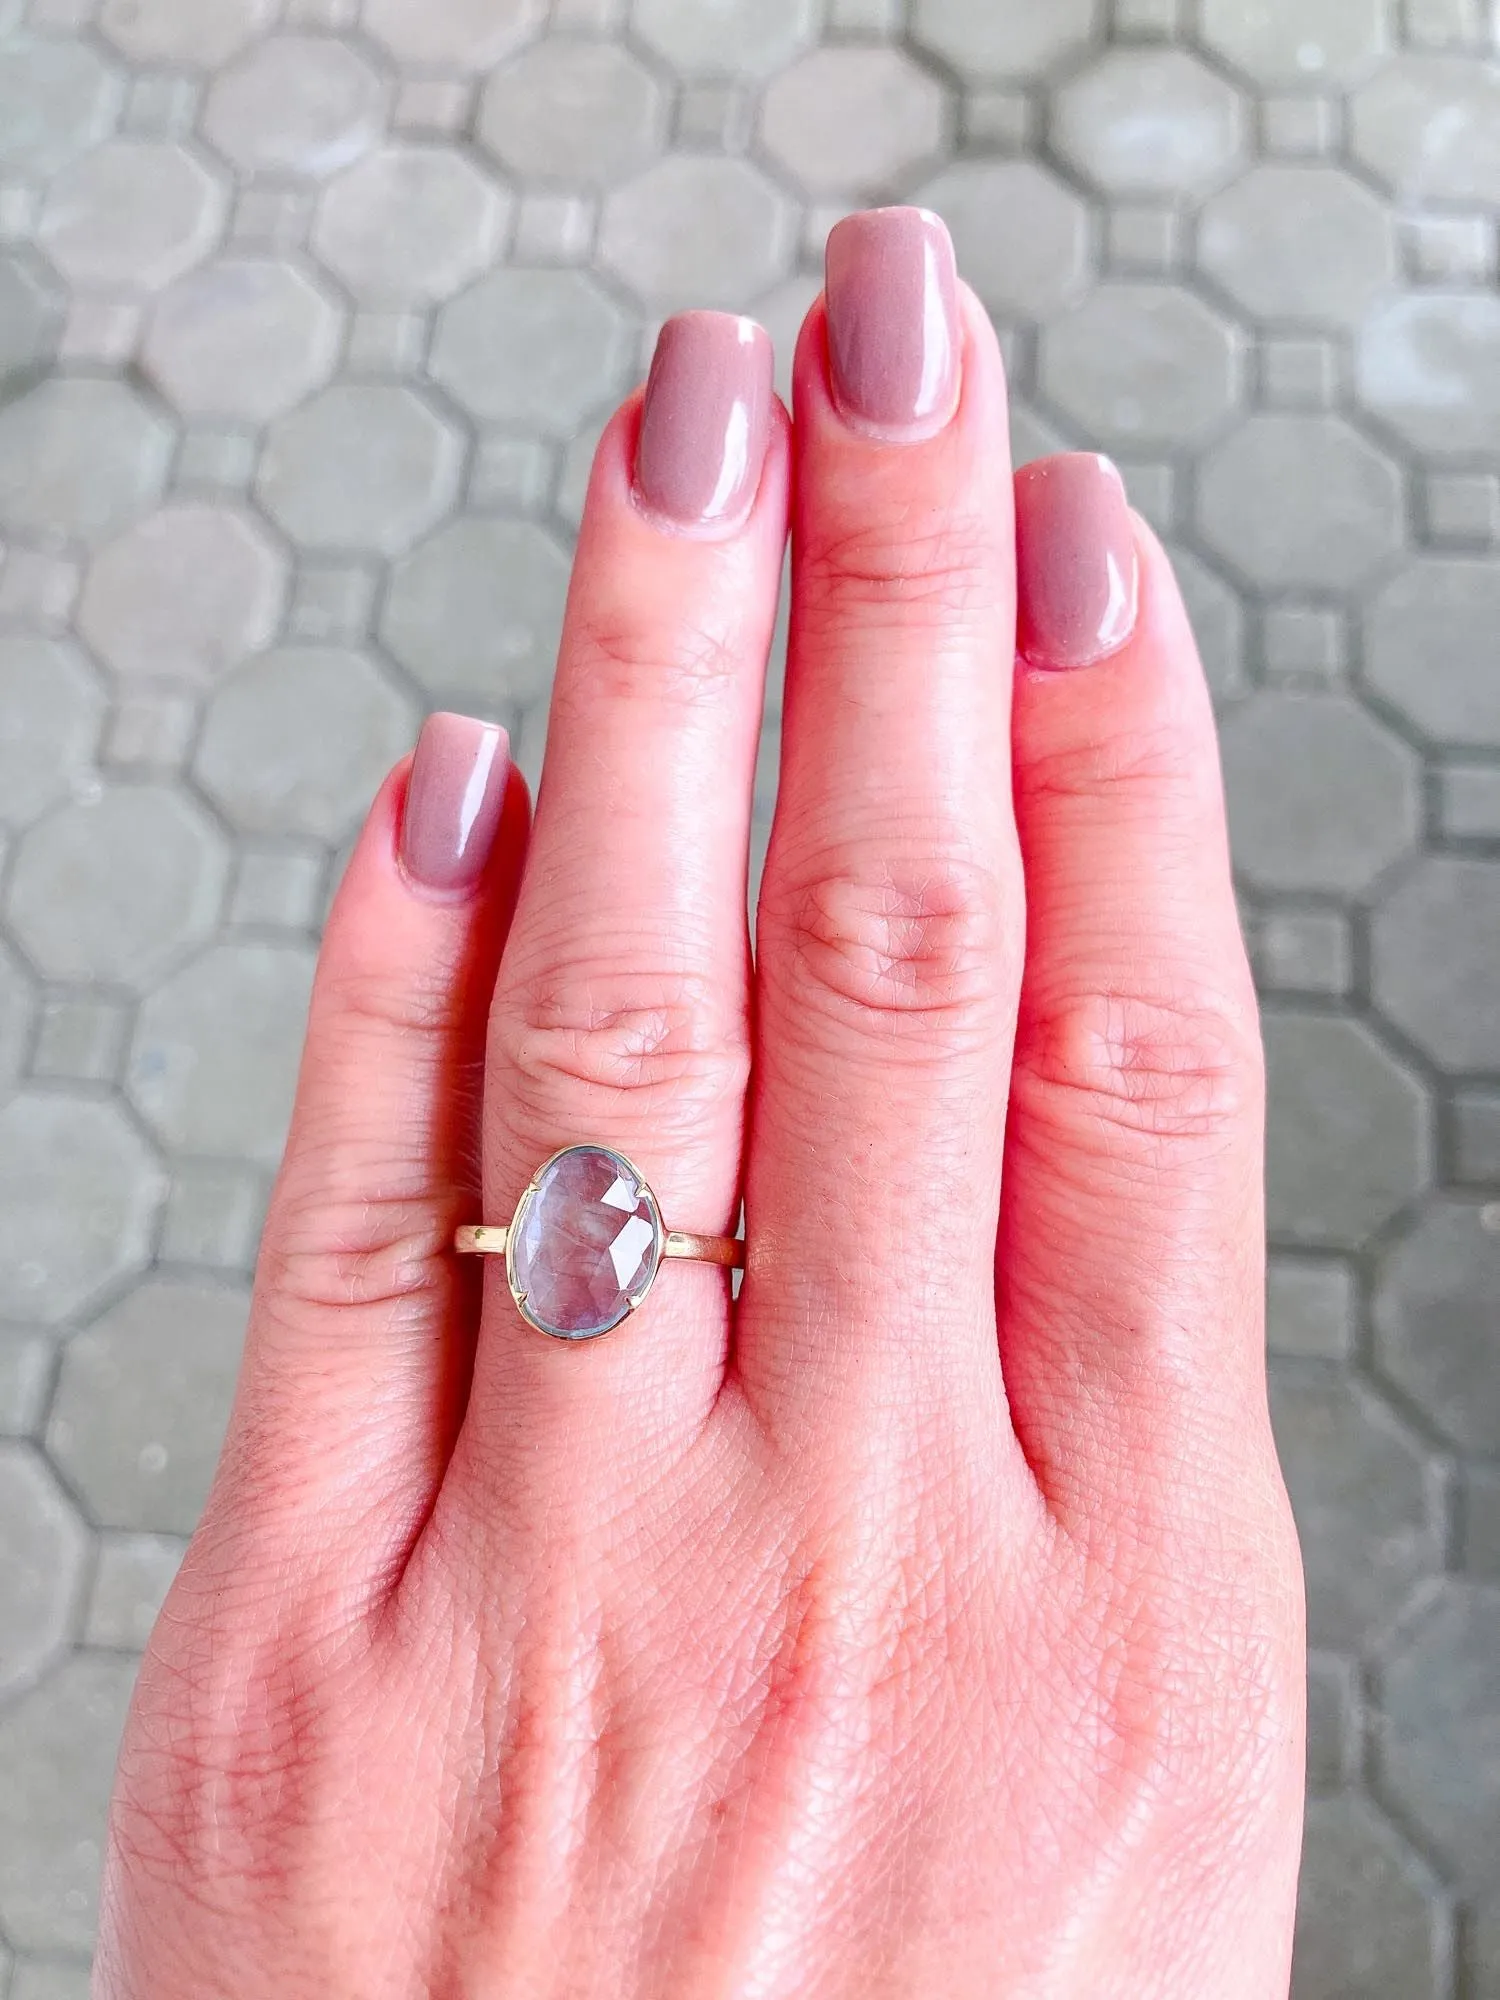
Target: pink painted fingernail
[(454, 801), (1079, 573), (894, 335), (706, 422)]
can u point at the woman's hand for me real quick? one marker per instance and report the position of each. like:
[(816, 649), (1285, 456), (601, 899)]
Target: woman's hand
[(927, 1622)]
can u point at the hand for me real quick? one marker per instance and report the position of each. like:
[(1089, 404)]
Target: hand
[(927, 1622)]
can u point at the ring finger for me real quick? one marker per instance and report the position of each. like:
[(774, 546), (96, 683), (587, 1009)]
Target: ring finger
[(622, 1011)]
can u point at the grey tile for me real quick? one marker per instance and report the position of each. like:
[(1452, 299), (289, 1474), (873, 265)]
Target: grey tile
[(1469, 802), (1218, 623), (57, 1758), (477, 612), (1299, 243), (117, 886), (854, 121), (150, 732), (31, 316), (1349, 1132), (214, 1061), (1479, 1523), (80, 1038), (299, 741), (51, 1979), (1305, 952), (303, 105), (42, 1549), (1152, 122), (451, 34), (1437, 1322), (1476, 1136), (1332, 1704), (38, 587), (1137, 366), (1368, 1921), (79, 458), (1004, 38), (410, 223), (18, 1010), (142, 1401), (242, 340), (1438, 1753), (731, 37), (214, 1216), (1022, 235), (1429, 640), (362, 467), (1300, 502), (1451, 249), (533, 348), (1305, 126), (1425, 367), (201, 33), (1312, 1308), (184, 595), (333, 602), (131, 1579), (574, 109), (1361, 1492), (1289, 42), (278, 888), (1321, 796), (1435, 960), (133, 213), (58, 97), (1462, 509), (1299, 372), (51, 715), (27, 1356), (697, 231), (1429, 127)]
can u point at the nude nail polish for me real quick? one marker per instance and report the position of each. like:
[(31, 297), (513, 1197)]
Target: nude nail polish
[(894, 330), (706, 420), (454, 801), (1078, 570)]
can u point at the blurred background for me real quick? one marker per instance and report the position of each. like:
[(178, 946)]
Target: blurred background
[(310, 312)]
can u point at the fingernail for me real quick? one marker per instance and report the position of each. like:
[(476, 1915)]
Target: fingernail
[(893, 321), (454, 801), (706, 423), (1079, 574)]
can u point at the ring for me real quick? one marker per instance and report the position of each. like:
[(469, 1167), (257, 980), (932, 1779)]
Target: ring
[(587, 1243)]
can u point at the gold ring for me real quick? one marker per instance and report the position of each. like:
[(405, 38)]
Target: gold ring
[(587, 1243)]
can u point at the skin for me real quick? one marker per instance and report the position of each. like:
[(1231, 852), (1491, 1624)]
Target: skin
[(929, 1622)]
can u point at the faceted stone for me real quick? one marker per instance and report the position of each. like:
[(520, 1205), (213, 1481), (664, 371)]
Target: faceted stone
[(477, 612), (1435, 961), (1429, 649), (533, 348), (79, 1195), (573, 110), (1321, 797), (79, 457), (134, 213), (244, 339), (205, 34), (1367, 1921), (694, 231), (1141, 365), (1004, 38), (214, 1062), (1150, 122), (142, 1401), (42, 1546), (1361, 1493), (1291, 42), (1437, 1322), (1429, 127), (296, 104), (58, 1746), (852, 121), (1440, 1747), (1304, 502), (57, 98), (1299, 243), (299, 740), (589, 1242), (363, 466), (31, 315), (1349, 1140), (1022, 237), (113, 887), (184, 595), (451, 34), (51, 711), (409, 223), (1425, 364), (725, 37)]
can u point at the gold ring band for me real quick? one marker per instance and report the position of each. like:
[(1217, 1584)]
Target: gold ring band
[(587, 1242)]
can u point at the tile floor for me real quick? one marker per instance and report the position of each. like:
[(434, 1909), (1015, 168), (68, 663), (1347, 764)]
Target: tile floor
[(309, 315)]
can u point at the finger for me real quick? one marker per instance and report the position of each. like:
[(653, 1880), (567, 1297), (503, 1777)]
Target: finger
[(357, 1360), (621, 1016), (1130, 1240), (891, 912)]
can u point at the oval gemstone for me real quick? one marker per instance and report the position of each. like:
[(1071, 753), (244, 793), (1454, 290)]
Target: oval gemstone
[(588, 1241)]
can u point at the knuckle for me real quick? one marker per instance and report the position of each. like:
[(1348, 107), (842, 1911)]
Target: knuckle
[(625, 662), (902, 571), (1163, 1069), (913, 945), (581, 1033), (385, 1252)]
